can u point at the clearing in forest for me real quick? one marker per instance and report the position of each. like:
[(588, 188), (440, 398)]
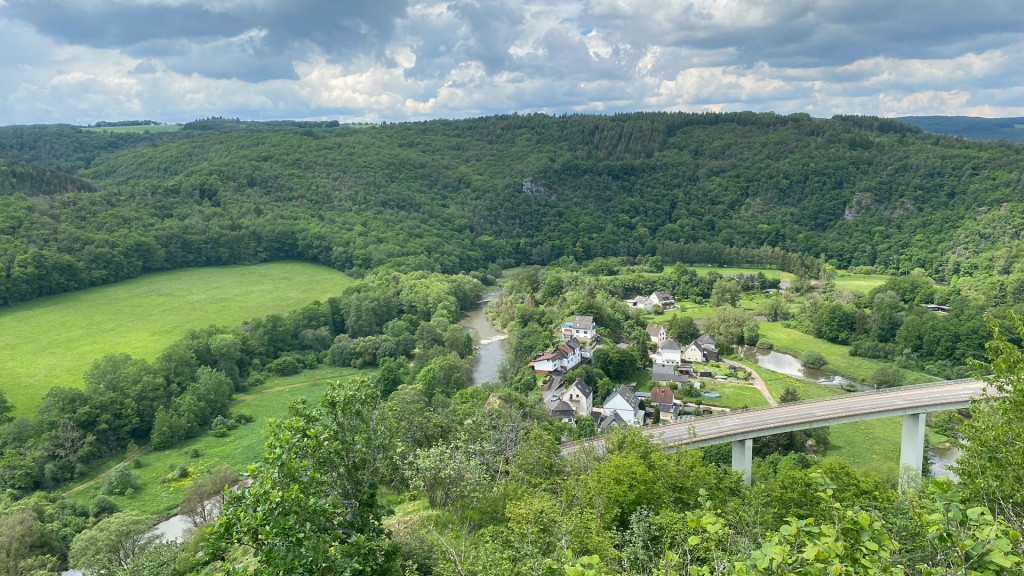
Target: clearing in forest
[(52, 341)]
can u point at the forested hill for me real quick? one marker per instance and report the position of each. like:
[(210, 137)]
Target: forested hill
[(461, 195), (35, 180), (982, 129)]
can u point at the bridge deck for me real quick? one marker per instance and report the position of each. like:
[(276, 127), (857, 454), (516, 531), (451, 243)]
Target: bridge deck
[(742, 425)]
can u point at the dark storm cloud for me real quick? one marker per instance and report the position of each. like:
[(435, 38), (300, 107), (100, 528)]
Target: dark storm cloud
[(197, 37), (810, 33), (119, 25)]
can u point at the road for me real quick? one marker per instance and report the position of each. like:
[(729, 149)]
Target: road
[(756, 380), (741, 425)]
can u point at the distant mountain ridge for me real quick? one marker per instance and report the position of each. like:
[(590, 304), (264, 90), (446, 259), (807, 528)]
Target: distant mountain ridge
[(981, 129)]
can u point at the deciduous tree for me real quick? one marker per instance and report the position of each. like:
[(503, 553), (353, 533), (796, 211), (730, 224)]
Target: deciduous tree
[(111, 544), (311, 507)]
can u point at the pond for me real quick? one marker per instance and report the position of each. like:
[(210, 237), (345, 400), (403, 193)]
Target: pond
[(942, 458), (491, 344), (792, 366)]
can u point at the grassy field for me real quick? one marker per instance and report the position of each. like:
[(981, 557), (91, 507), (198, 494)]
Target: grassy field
[(241, 447), (869, 444), (873, 444), (135, 129), (52, 341), (862, 283), (839, 360), (734, 395), (726, 270)]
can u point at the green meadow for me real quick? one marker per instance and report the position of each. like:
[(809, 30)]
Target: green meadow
[(157, 495), (52, 341), (735, 395), (862, 283), (868, 444), (840, 362), (729, 271)]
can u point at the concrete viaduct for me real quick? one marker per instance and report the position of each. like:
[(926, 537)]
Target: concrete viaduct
[(741, 427)]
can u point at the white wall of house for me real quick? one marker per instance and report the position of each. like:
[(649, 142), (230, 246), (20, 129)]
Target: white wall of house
[(573, 359), (583, 404), (670, 356), (693, 353), (546, 365), (626, 412), (584, 333)]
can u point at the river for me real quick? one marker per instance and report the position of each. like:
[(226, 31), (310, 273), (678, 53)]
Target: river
[(491, 344), (943, 459)]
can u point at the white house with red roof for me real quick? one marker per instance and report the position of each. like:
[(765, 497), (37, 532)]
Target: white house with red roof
[(564, 357)]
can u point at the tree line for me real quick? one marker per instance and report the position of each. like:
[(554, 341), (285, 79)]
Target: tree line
[(459, 196), (183, 391), (484, 490)]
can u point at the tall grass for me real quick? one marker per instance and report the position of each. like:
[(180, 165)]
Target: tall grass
[(52, 341)]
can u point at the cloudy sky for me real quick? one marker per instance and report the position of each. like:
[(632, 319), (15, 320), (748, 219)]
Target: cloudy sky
[(81, 61)]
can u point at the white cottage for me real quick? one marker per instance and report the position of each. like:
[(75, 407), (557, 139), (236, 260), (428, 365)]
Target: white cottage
[(663, 299), (563, 358), (581, 327), (580, 396), (657, 333), (625, 405), (669, 351)]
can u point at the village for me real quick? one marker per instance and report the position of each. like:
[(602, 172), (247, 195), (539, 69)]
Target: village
[(677, 374)]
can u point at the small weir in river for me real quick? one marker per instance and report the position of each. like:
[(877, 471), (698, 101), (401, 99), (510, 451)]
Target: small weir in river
[(491, 344)]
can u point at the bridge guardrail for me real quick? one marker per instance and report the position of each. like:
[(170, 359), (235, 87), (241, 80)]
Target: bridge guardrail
[(811, 401)]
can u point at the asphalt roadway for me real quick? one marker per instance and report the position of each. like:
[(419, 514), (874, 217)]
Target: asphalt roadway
[(754, 423)]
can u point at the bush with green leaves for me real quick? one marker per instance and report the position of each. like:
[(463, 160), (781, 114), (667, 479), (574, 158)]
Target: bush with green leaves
[(284, 366), (814, 359), (242, 417), (120, 480), (887, 376), (102, 506)]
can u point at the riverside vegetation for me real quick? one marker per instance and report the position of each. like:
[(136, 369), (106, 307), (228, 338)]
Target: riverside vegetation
[(409, 470)]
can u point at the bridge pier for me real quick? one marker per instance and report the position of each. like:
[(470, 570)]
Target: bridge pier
[(743, 458), (911, 447)]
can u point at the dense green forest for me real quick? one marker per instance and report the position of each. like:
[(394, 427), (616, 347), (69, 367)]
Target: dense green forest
[(981, 129), (413, 471), (459, 196)]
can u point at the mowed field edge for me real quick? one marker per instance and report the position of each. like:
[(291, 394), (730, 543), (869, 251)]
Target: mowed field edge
[(52, 341)]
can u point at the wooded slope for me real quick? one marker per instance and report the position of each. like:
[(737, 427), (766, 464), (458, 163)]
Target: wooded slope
[(459, 195)]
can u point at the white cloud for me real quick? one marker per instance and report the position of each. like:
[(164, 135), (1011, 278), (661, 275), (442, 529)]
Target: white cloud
[(882, 70), (471, 57), (211, 5)]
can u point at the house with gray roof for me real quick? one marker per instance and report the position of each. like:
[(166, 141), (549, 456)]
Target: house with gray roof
[(610, 420), (560, 409), (657, 333), (663, 299), (669, 352), (623, 402), (568, 402), (703, 349), (580, 327), (663, 372)]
